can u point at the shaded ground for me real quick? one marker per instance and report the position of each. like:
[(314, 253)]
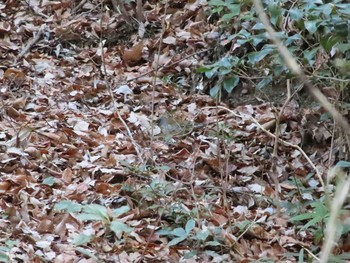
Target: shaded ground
[(82, 177)]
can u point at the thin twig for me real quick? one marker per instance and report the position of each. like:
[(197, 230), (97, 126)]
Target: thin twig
[(31, 43), (156, 73), (273, 173), (331, 235), (281, 141), (136, 146), (80, 5), (167, 66), (118, 5)]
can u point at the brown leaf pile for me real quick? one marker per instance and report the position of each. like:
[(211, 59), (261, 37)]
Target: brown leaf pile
[(62, 138)]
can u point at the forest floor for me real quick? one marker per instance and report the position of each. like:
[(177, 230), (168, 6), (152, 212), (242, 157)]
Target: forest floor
[(111, 149)]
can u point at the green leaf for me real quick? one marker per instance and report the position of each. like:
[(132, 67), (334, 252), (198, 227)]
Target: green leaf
[(180, 232), (121, 210), (312, 222), (176, 241), (164, 232), (230, 83), (68, 205), (190, 226), (343, 9), (329, 41), (87, 217), (217, 3), (204, 69), (50, 181), (312, 25), (258, 26), (343, 47), (82, 239), (302, 217), (202, 235), (118, 227), (311, 55), (209, 74), (96, 211), (296, 14), (164, 168), (343, 164), (212, 243), (275, 13), (255, 57), (264, 82), (214, 91), (4, 258), (301, 256), (235, 10), (87, 253)]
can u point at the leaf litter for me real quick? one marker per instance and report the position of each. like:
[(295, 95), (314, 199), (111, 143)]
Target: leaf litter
[(72, 188)]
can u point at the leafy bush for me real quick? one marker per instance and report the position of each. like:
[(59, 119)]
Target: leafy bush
[(314, 31)]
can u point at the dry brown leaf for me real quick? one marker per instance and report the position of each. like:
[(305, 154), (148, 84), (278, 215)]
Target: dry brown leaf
[(133, 56)]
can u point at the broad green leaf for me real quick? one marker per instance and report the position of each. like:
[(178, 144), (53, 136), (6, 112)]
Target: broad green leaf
[(255, 57), (202, 235), (224, 62), (344, 9), (227, 17), (212, 243), (180, 232), (257, 39), (50, 181), (87, 217), (312, 25), (176, 241), (230, 83), (4, 257), (329, 41), (121, 210), (301, 256), (190, 254), (324, 9), (320, 209), (217, 3), (69, 206), (164, 232), (310, 55), (343, 47), (82, 239), (209, 74), (302, 217), (312, 222), (292, 39), (190, 225), (118, 227), (258, 26), (214, 91), (343, 164), (296, 13), (204, 69), (96, 210), (275, 13), (235, 10)]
